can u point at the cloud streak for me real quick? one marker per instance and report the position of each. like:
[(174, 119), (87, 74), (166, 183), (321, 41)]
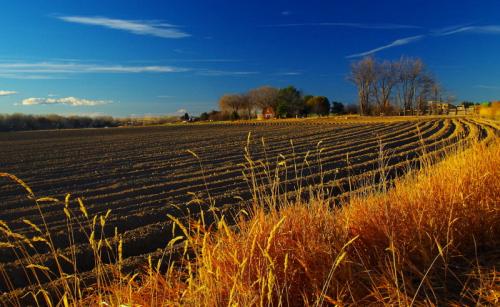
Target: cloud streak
[(7, 93), (488, 29), (288, 73), (396, 43), (139, 27), (488, 87), (70, 101), (219, 73), (375, 26), (48, 70)]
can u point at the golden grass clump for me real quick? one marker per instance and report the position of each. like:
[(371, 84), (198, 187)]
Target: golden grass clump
[(430, 240), (492, 112)]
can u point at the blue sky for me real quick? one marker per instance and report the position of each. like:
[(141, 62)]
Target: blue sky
[(165, 57)]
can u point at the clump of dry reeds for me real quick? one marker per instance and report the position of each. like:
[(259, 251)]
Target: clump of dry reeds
[(431, 239)]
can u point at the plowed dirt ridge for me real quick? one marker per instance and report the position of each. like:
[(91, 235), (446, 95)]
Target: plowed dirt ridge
[(143, 174)]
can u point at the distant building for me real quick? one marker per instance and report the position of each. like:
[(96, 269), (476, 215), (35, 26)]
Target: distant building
[(439, 107), (460, 110), (268, 113)]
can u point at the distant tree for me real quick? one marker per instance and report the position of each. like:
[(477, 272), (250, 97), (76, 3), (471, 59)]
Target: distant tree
[(235, 116), (363, 76), (468, 103), (385, 79), (427, 89), (410, 81), (291, 100), (204, 116), (351, 108), (337, 107), (231, 103), (217, 115), (246, 106), (307, 97), (416, 86), (185, 116), (318, 105), (381, 83), (264, 97), (18, 122), (282, 110)]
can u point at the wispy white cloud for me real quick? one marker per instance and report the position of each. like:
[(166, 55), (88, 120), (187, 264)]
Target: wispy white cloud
[(488, 87), (71, 101), (218, 73), (289, 73), (398, 42), (286, 13), (26, 76), (488, 29), (374, 26), (181, 111), (208, 60), (140, 27), (7, 93), (51, 70)]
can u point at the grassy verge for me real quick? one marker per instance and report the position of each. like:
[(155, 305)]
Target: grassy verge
[(430, 240)]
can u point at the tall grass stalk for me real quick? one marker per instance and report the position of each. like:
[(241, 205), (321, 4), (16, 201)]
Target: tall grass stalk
[(430, 239)]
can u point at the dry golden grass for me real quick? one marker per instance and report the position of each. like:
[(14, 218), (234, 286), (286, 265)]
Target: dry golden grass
[(430, 240), (491, 112)]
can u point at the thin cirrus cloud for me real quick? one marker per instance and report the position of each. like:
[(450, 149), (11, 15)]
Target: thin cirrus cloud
[(289, 73), (488, 87), (139, 27), (396, 43), (26, 77), (49, 70), (220, 73), (487, 29), (7, 93), (381, 26), (70, 101)]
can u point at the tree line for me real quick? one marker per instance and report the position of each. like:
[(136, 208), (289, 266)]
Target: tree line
[(21, 122), (281, 102), (402, 86)]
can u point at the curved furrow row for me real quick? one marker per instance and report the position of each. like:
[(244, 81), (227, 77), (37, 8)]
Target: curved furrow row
[(145, 229), (215, 190), (232, 159), (190, 184)]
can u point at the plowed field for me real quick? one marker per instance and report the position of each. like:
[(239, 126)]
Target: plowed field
[(143, 174)]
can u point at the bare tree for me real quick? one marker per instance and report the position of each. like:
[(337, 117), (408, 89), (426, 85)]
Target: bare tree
[(377, 81), (410, 73), (231, 103), (246, 105), (436, 91), (264, 97), (386, 77), (427, 89), (363, 76)]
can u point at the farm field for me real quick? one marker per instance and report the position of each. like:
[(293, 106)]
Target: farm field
[(143, 174)]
